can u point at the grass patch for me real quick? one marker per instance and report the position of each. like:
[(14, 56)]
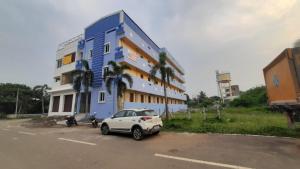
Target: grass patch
[(257, 121)]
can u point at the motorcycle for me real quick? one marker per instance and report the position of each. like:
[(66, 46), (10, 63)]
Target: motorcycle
[(70, 121), (94, 120)]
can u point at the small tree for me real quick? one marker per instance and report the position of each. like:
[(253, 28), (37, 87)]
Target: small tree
[(166, 74), (115, 77), (83, 77), (41, 90)]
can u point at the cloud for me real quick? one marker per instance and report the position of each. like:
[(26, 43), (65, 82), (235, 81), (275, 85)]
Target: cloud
[(239, 36)]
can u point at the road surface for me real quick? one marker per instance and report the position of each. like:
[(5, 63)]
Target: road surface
[(83, 147)]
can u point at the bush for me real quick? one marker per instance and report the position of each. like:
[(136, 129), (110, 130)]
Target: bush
[(253, 97)]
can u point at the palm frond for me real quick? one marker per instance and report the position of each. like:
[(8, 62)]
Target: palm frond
[(38, 87), (128, 78), (114, 65), (162, 71), (153, 71), (162, 58), (169, 74), (108, 84), (85, 64), (124, 67), (77, 83), (108, 74)]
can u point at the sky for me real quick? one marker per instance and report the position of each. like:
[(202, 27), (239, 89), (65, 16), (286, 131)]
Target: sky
[(236, 36)]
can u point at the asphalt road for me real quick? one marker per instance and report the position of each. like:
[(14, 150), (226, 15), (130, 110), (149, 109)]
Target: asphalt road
[(84, 148)]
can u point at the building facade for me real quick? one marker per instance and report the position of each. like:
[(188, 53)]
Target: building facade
[(118, 38)]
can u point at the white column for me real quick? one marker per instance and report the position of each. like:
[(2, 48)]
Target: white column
[(61, 103), (73, 102), (50, 105)]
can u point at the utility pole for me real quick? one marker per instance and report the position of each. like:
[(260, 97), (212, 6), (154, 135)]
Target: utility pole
[(17, 101)]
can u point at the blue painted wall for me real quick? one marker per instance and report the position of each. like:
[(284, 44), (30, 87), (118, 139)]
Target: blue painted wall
[(96, 35)]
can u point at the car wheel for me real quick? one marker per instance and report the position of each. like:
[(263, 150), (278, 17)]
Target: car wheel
[(104, 129), (137, 133), (156, 133)]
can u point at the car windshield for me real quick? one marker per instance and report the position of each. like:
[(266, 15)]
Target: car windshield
[(146, 113)]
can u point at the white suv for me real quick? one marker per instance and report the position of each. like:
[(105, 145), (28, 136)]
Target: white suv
[(138, 122)]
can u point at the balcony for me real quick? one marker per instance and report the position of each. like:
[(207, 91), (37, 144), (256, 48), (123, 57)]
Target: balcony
[(145, 86), (126, 33), (57, 87), (65, 68), (122, 55)]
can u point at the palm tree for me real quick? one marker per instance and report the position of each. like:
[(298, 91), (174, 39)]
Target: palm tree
[(83, 77), (166, 73), (77, 86), (42, 92), (115, 77)]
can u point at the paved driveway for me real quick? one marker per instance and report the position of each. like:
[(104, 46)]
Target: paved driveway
[(83, 147)]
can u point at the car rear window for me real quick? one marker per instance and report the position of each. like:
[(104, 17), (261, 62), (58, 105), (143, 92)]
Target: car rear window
[(146, 113)]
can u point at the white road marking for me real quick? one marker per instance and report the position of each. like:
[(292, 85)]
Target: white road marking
[(76, 141), (27, 133), (201, 162), (5, 129)]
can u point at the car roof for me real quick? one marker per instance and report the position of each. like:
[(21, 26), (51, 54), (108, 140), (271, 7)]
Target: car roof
[(138, 109)]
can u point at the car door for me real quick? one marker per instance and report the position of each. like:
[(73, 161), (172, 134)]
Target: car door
[(129, 120), (116, 121)]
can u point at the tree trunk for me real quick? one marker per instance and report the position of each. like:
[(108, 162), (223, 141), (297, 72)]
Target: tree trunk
[(120, 103), (166, 102), (76, 102), (86, 101)]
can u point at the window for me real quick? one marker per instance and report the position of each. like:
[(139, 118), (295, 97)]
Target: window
[(90, 53), (131, 97), (149, 99), (68, 103), (106, 48), (101, 97), (58, 63), (105, 71), (161, 100), (142, 98), (55, 104), (157, 99), (120, 114), (149, 79), (142, 76), (130, 113), (142, 57), (146, 113), (73, 57)]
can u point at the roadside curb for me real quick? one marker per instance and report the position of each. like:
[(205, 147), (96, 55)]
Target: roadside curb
[(228, 134)]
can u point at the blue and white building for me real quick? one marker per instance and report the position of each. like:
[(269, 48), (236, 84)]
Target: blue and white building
[(118, 38)]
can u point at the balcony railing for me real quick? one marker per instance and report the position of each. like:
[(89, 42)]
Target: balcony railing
[(122, 55)]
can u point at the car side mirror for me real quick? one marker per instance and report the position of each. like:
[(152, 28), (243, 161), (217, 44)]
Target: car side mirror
[(113, 116)]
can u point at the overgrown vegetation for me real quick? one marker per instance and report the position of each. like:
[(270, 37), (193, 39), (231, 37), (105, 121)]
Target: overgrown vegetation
[(256, 96), (255, 120), (247, 114), (29, 100)]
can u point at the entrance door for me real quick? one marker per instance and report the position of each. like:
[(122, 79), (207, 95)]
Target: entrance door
[(55, 105), (68, 103)]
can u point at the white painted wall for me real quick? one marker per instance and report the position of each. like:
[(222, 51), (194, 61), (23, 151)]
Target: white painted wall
[(61, 103)]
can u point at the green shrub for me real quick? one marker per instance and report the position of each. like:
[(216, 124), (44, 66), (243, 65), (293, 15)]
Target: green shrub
[(256, 96)]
